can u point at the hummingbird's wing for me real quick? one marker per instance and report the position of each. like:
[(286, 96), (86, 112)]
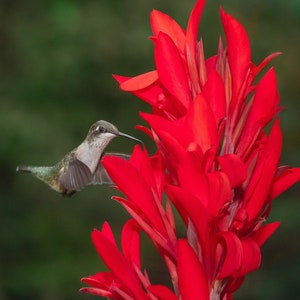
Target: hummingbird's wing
[(101, 176), (76, 176)]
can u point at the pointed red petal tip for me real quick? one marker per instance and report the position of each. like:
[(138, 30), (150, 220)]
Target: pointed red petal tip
[(284, 181), (139, 82), (270, 57), (191, 41), (263, 233), (161, 22), (193, 25), (145, 130)]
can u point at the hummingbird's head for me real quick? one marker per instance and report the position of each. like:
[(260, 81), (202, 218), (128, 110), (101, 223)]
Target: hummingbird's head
[(104, 132)]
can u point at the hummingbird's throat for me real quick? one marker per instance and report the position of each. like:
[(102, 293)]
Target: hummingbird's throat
[(90, 152)]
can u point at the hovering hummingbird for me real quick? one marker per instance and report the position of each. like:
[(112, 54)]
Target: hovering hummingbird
[(81, 166)]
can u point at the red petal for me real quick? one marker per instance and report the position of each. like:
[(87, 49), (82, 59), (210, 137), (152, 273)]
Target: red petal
[(232, 284), (190, 208), (117, 263), (96, 291), (161, 22), (160, 124), (220, 192), (231, 254), (214, 92), (193, 179), (265, 62), (191, 41), (234, 168), (193, 25), (141, 162), (284, 181), (162, 292), (263, 109), (259, 187), (192, 281), (263, 233), (131, 242), (150, 94), (201, 124), (107, 232), (171, 71), (238, 53), (145, 130), (139, 82), (134, 186), (120, 78), (101, 280), (251, 257)]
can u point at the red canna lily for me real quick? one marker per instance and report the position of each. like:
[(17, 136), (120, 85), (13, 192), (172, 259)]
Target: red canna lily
[(215, 162)]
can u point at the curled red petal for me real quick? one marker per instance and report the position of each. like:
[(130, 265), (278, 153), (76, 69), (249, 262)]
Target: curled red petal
[(251, 257), (230, 253)]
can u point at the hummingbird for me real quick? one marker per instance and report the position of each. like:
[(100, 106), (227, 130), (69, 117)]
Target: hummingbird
[(81, 166)]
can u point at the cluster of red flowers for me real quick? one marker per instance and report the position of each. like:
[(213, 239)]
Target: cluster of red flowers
[(215, 164)]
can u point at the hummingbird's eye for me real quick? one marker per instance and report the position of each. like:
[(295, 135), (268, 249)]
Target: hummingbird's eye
[(101, 129)]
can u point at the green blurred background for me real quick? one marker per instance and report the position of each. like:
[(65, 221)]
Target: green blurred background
[(56, 61)]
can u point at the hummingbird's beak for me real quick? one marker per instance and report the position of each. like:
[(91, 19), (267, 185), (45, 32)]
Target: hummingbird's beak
[(129, 137)]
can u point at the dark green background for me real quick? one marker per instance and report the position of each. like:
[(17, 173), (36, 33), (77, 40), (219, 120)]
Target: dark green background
[(56, 61)]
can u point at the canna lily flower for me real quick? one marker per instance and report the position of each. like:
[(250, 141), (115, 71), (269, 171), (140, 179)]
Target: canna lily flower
[(215, 163)]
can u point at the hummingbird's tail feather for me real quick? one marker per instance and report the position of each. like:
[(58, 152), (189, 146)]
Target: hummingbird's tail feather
[(43, 173), (24, 169)]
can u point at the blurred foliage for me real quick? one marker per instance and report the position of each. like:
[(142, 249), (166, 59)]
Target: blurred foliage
[(56, 61)]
